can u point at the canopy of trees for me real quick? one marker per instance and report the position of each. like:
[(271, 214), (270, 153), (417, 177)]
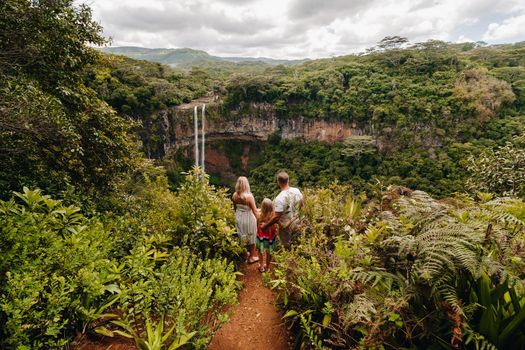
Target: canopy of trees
[(54, 131)]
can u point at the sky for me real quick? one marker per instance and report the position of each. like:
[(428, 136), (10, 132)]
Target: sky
[(292, 29)]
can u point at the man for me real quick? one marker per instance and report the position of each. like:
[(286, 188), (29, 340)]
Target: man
[(286, 205)]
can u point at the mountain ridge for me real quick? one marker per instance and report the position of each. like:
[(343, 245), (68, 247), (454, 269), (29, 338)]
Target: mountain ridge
[(187, 56)]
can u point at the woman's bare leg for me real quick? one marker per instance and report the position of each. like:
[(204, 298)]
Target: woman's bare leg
[(254, 255)]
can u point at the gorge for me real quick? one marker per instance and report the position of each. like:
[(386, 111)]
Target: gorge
[(232, 137), (399, 116)]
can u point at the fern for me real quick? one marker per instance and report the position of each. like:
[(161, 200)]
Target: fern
[(436, 244), (476, 339)]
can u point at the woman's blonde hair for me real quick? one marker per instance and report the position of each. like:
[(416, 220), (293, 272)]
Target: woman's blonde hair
[(266, 210), (242, 187)]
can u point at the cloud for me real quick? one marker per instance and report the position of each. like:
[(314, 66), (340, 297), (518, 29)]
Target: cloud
[(325, 12), (303, 28), (174, 16), (464, 39), (512, 28)]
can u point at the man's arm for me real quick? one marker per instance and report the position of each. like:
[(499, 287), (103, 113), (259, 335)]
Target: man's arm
[(275, 217)]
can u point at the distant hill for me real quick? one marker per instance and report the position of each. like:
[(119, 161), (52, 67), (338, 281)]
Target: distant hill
[(188, 57), (270, 61)]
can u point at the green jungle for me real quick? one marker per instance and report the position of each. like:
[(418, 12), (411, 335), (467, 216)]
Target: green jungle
[(412, 234)]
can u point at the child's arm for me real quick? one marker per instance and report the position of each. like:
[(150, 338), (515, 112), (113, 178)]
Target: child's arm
[(275, 218)]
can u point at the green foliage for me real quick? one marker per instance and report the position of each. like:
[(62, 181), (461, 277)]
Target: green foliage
[(205, 219), (319, 164), (177, 284), (405, 271), (56, 273), (65, 274), (500, 171), (156, 338), (422, 109), (54, 131), (356, 146), (500, 318), (139, 89)]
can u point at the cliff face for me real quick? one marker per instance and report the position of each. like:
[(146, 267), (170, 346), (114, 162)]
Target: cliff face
[(255, 123)]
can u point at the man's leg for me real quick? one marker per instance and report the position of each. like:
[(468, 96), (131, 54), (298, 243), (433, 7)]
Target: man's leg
[(286, 237), (289, 232)]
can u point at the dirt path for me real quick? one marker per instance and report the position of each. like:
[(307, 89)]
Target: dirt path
[(255, 324)]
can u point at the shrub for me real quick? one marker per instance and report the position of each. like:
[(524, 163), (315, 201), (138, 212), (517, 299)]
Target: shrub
[(204, 219), (188, 292), (55, 271), (406, 271)]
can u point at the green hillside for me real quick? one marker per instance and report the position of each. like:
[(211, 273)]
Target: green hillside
[(188, 57), (426, 109)]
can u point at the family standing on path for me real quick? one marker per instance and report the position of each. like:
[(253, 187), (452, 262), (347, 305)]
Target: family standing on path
[(260, 230)]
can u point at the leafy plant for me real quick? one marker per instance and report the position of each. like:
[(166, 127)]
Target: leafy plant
[(156, 338), (500, 319), (204, 219), (407, 271), (56, 275)]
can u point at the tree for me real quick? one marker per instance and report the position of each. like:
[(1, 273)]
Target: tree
[(483, 94), (500, 171), (54, 130), (392, 42), (357, 146)]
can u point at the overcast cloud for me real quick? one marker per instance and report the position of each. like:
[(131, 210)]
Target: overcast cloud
[(304, 28)]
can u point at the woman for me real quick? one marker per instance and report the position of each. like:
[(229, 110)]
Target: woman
[(246, 216)]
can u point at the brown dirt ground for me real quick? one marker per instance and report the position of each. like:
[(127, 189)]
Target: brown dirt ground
[(103, 343), (255, 323)]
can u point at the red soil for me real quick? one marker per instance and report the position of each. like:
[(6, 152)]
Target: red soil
[(255, 323)]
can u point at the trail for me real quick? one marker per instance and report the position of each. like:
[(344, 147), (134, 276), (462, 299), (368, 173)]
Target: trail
[(255, 323)]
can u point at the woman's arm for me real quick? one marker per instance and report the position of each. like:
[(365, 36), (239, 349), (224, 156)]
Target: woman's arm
[(253, 206)]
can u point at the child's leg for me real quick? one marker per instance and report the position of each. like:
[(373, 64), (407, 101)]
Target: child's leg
[(260, 256), (268, 259)]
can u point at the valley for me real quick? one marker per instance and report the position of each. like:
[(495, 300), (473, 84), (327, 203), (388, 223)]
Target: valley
[(409, 156), (407, 117)]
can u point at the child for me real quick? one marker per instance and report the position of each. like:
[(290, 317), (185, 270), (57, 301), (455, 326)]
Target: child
[(266, 238)]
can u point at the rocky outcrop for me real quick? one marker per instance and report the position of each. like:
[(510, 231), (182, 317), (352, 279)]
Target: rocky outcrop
[(257, 123)]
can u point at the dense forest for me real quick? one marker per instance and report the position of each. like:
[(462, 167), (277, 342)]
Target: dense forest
[(412, 235), (425, 108)]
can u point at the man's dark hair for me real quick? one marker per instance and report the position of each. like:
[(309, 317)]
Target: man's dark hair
[(282, 178)]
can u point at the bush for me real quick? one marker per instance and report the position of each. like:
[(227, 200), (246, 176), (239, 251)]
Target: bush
[(55, 271), (188, 292), (204, 219), (406, 271), (61, 271)]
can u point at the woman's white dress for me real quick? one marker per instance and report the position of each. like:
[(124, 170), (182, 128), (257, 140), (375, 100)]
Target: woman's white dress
[(245, 223)]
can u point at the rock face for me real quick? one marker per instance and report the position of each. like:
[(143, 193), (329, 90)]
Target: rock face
[(255, 123)]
